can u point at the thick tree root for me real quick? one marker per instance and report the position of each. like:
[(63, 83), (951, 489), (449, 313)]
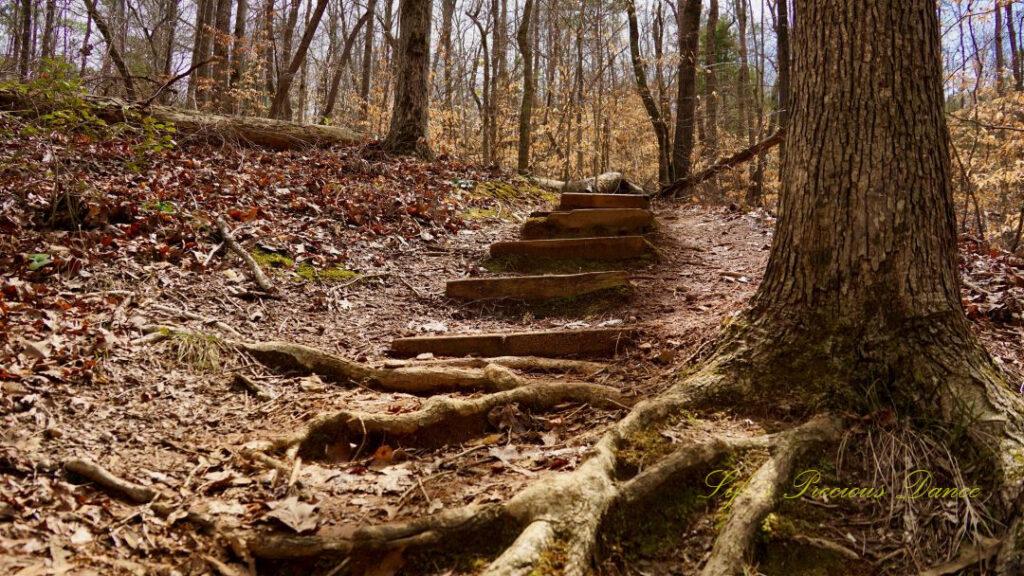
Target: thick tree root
[(442, 420), (758, 498), (411, 378), (521, 363)]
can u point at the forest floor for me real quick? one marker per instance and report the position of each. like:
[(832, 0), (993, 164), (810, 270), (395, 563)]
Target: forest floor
[(359, 248)]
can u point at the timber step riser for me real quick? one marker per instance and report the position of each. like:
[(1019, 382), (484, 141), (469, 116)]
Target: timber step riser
[(598, 342), (573, 201), (536, 288), (589, 223), (600, 248)]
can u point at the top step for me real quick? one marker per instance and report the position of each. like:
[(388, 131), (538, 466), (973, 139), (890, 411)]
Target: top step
[(573, 201)]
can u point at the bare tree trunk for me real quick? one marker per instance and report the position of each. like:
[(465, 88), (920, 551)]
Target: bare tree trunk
[(49, 30), (485, 101), (221, 51), (1015, 59), (169, 35), (339, 65), (657, 122), (526, 105), (783, 56), (86, 48), (743, 95), (367, 64), (408, 131), (269, 47), (686, 97), (115, 54), (445, 42), (238, 48), (201, 50), (281, 108), (25, 57), (710, 85)]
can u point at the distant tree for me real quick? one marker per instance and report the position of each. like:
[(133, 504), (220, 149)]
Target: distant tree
[(409, 118)]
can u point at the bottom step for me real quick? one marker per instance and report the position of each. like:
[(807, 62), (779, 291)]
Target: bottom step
[(595, 342), (545, 287)]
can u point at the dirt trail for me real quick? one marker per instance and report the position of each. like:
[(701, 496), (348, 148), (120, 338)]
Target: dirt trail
[(168, 415)]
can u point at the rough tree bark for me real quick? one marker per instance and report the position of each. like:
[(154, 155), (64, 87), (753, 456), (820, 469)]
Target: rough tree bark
[(686, 97), (408, 131), (526, 105)]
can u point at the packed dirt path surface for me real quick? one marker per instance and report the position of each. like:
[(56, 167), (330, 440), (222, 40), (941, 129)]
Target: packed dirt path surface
[(171, 415)]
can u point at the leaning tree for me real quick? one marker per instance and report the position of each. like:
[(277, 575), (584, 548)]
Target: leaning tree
[(859, 310)]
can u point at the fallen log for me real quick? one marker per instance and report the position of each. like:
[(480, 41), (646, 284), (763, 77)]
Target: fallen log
[(275, 134), (740, 157), (607, 183)]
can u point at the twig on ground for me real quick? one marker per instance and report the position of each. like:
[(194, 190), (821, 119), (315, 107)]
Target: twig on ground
[(100, 475), (241, 381), (257, 273)]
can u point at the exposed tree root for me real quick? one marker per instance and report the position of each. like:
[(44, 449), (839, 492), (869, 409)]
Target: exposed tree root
[(442, 420), (758, 497), (521, 363), (411, 378)]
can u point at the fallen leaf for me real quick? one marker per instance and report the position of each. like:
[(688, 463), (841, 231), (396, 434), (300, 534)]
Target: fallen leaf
[(294, 514)]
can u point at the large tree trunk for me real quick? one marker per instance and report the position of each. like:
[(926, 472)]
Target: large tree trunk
[(861, 293), (408, 131), (686, 98), (526, 105)]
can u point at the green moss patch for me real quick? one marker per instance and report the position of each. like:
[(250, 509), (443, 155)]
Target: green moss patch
[(302, 271)]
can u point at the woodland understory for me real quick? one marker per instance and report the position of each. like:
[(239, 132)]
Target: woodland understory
[(167, 409)]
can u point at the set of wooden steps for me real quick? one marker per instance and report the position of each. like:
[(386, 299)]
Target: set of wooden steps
[(589, 343), (544, 287), (590, 222), (591, 229)]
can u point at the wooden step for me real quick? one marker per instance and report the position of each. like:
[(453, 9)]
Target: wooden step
[(594, 342), (589, 223), (544, 287), (573, 201), (602, 248)]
